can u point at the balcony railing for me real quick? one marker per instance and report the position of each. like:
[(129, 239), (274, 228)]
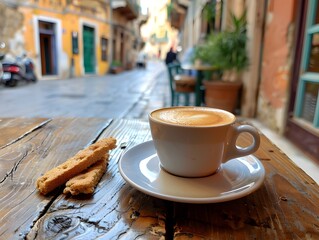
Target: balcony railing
[(176, 13), (128, 8)]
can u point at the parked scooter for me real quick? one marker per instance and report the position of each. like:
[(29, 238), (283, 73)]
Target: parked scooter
[(1, 69), (21, 69), (2, 45)]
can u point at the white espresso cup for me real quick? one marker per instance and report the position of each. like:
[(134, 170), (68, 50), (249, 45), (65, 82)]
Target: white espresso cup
[(195, 141)]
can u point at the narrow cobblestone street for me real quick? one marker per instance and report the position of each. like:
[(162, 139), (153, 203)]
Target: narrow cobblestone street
[(130, 94)]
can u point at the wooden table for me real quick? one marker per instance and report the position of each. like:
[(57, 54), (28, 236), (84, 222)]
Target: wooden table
[(199, 78), (285, 207)]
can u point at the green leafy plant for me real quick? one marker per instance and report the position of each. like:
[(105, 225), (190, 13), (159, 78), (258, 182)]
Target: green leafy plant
[(226, 50), (116, 63), (233, 45), (207, 52), (209, 11), (169, 9)]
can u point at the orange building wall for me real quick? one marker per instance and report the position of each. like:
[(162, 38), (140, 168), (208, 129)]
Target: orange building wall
[(29, 32), (69, 23), (276, 63)]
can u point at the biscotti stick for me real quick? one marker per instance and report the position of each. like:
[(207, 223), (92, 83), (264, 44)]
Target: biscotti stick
[(74, 165), (86, 181)]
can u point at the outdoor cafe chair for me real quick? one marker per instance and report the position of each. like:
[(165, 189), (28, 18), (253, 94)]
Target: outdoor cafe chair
[(180, 84)]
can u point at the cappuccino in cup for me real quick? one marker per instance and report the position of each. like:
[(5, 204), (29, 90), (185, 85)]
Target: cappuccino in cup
[(195, 141), (193, 116)]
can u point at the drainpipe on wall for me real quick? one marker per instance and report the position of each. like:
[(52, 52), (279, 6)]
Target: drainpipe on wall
[(110, 45)]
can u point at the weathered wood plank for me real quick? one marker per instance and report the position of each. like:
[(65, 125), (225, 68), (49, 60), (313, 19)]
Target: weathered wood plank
[(24, 161), (285, 207), (116, 209), (12, 129)]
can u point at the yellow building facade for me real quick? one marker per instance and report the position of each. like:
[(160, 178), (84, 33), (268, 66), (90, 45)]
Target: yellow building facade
[(160, 36), (70, 38)]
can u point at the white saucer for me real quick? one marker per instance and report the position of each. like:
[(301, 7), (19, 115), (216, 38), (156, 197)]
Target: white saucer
[(140, 167)]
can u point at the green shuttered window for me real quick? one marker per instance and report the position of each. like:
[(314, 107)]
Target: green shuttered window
[(307, 101)]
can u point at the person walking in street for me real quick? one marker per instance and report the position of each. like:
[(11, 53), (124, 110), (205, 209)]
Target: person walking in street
[(171, 56)]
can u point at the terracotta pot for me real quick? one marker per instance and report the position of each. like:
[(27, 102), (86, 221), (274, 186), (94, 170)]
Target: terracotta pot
[(223, 95), (116, 70)]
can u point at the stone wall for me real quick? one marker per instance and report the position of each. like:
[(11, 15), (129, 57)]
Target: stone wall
[(11, 30)]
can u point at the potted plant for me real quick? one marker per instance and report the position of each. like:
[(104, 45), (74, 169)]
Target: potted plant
[(116, 67), (227, 51)]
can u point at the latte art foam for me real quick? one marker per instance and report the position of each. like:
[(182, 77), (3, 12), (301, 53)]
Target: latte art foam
[(192, 116)]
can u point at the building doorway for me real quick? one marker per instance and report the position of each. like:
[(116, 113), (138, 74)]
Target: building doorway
[(47, 37), (88, 49)]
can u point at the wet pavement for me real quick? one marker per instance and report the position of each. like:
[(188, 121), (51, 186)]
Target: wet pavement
[(131, 94)]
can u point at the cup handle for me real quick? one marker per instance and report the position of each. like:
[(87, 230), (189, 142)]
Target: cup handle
[(234, 151)]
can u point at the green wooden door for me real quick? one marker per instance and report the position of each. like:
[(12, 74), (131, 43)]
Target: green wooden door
[(88, 49)]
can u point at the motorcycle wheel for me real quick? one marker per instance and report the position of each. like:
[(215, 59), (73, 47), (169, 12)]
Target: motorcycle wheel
[(34, 78), (11, 83)]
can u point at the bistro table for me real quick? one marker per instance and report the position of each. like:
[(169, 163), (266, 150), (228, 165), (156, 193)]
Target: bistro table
[(200, 68), (284, 207)]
